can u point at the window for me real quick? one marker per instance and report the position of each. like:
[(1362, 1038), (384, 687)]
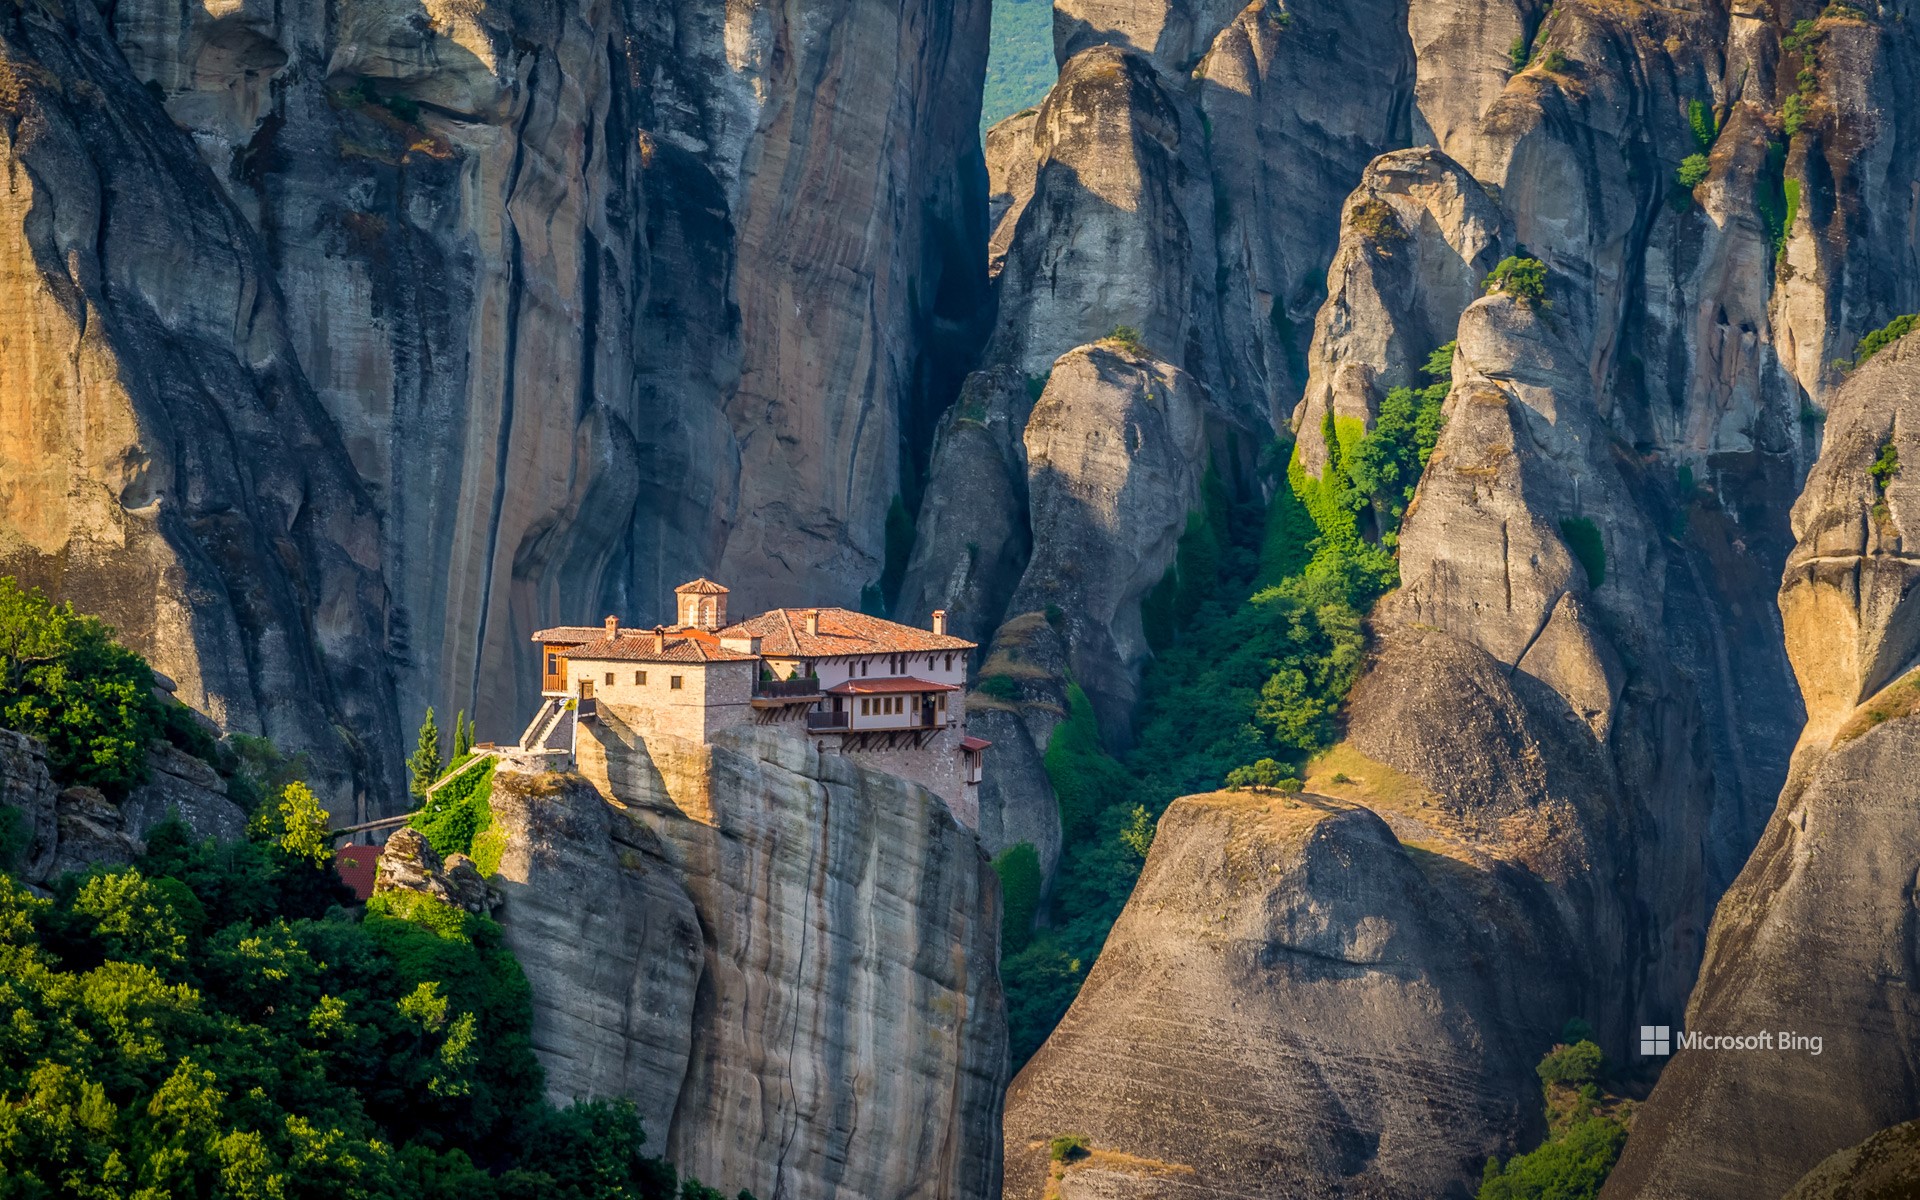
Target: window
[(949, 662), (553, 664), (639, 678), (609, 678), (673, 682), (863, 707)]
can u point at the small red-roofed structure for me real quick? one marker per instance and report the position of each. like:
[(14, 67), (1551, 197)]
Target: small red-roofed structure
[(356, 866)]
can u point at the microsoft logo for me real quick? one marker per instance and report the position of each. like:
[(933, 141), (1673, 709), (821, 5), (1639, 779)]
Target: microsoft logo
[(1656, 1040)]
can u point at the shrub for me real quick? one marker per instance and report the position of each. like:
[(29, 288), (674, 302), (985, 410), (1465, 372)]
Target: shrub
[(459, 812), (999, 687), (1704, 124), (1883, 337), (1067, 1147), (1129, 339), (1693, 171), (1554, 62), (1583, 538), (65, 681), (1260, 775), (1019, 870), (1524, 279), (1885, 467), (1375, 220), (1572, 1166), (1572, 1065), (1518, 52), (1793, 114)]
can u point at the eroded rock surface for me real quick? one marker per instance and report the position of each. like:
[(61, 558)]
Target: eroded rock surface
[(163, 459), (788, 962), (499, 316), (1816, 935)]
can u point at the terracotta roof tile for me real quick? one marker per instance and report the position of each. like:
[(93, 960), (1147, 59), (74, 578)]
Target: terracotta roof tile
[(974, 743), (783, 633), (701, 587), (880, 687), (571, 635), (637, 645)]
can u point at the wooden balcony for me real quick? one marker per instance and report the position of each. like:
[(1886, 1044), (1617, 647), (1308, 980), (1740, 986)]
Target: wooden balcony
[(804, 688), (829, 720)]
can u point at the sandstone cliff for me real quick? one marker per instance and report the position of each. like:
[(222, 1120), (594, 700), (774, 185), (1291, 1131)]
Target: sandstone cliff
[(163, 460), (71, 829), (789, 963), (503, 315), (1816, 935), (1580, 681)]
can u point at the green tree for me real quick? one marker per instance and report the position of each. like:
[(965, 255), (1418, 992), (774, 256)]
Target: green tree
[(425, 764), (1524, 279), (1693, 171), (65, 681), (462, 736), (1572, 1066), (1018, 867)]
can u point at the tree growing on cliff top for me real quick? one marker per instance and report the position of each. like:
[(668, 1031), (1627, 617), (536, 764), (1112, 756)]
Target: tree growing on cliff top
[(425, 763), (65, 681), (1524, 279)]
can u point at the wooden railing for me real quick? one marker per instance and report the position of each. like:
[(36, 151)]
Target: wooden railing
[(781, 688), (828, 720)]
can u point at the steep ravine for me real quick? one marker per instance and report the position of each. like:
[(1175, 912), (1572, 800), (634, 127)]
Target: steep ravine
[(1816, 937)]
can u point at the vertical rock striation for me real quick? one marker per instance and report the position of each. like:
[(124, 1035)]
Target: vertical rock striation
[(789, 963), (163, 460), (1816, 935), (551, 306)]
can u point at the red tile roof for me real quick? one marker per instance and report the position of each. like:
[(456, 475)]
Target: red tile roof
[(974, 743), (701, 587), (783, 634), (638, 645), (357, 866), (887, 687), (571, 635)]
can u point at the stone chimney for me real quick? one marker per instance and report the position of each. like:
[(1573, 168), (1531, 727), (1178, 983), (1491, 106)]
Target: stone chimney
[(659, 640), (940, 621), (613, 628), (813, 621)]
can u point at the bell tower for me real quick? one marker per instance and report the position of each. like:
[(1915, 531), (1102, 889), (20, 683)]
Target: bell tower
[(702, 604)]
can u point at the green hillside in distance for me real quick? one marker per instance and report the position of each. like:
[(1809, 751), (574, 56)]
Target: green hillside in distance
[(1020, 65)]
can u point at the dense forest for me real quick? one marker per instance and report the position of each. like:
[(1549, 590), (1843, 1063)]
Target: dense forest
[(218, 1020)]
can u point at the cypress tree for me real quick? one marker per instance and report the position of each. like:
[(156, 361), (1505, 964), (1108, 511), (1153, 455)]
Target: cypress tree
[(425, 763), (462, 735)]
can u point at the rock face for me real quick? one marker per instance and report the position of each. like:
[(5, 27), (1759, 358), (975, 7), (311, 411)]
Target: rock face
[(1580, 681), (181, 786), (1884, 1167), (1816, 934), (504, 315), (1213, 1051), (1180, 185), (790, 963), (164, 460), (74, 828), (408, 863)]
